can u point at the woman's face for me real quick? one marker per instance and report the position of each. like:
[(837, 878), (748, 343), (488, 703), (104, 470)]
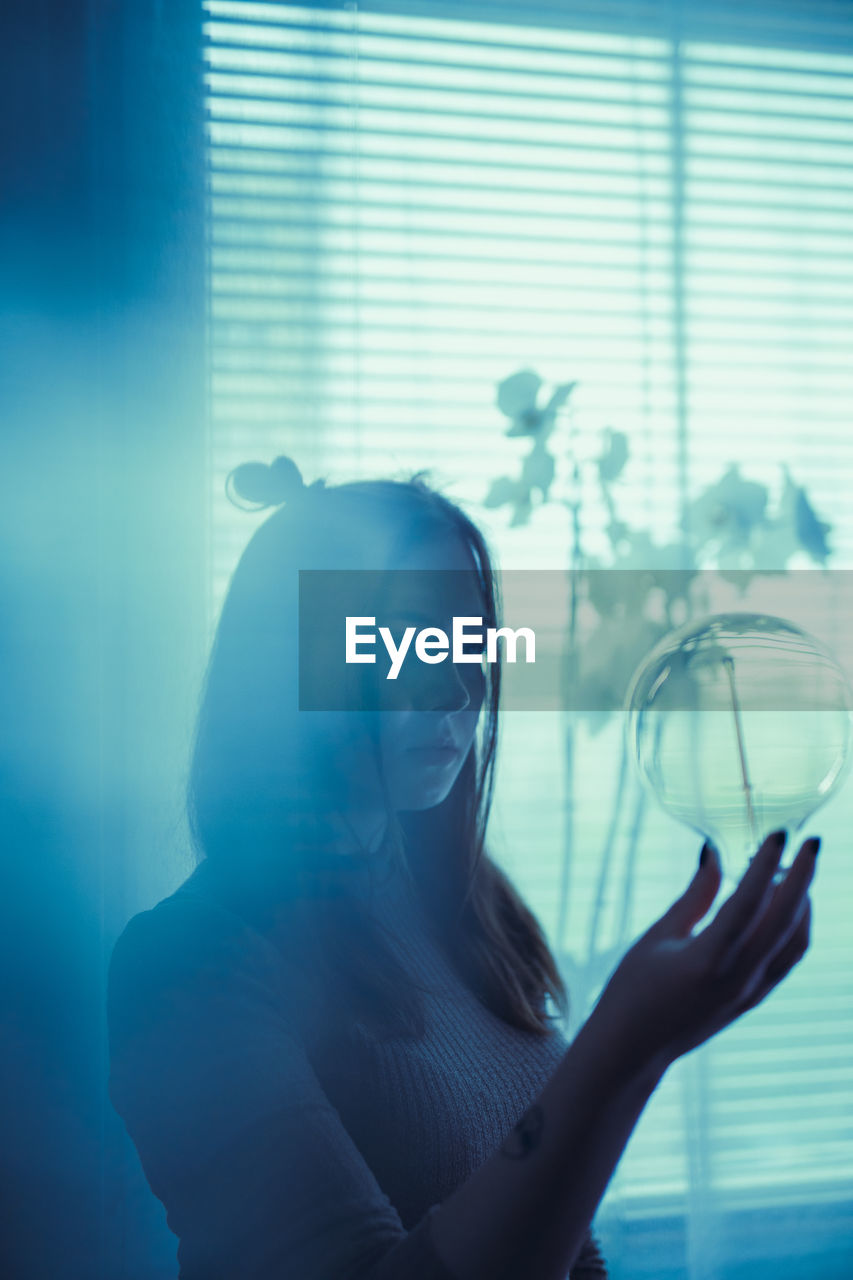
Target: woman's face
[(427, 727), (425, 719)]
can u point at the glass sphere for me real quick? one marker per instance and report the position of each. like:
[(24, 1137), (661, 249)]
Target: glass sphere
[(740, 724)]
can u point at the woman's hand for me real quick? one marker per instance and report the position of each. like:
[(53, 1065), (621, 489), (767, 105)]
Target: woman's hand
[(675, 988), (527, 1209)]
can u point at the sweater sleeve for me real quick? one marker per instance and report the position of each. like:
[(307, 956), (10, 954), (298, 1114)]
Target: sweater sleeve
[(259, 1177)]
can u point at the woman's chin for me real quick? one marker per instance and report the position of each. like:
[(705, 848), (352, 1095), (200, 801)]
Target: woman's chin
[(424, 795)]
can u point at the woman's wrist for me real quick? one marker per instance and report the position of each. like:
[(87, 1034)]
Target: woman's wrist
[(627, 1052)]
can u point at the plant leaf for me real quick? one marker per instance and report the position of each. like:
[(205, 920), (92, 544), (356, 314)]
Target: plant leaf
[(797, 527), (517, 393), (559, 396), (502, 491), (528, 423), (811, 531), (537, 471), (614, 457), (726, 513)]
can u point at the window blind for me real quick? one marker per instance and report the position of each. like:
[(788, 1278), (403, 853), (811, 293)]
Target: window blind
[(409, 203)]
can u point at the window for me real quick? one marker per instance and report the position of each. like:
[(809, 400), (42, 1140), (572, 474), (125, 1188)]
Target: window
[(407, 204)]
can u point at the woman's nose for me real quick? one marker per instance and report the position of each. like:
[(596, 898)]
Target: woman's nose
[(442, 688)]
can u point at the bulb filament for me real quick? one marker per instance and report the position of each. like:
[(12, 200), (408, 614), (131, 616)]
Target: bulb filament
[(728, 663)]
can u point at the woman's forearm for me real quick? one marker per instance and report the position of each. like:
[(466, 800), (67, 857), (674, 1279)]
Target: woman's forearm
[(524, 1213)]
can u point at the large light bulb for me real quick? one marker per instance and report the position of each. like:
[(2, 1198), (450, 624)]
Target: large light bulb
[(740, 724)]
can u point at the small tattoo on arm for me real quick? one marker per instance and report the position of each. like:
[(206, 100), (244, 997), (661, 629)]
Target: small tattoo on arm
[(525, 1137)]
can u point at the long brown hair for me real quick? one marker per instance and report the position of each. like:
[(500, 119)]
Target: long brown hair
[(259, 782)]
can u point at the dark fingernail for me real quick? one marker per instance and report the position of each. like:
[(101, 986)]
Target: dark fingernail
[(707, 850), (813, 846), (778, 838)]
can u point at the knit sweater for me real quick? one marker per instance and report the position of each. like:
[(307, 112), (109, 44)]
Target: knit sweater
[(283, 1154)]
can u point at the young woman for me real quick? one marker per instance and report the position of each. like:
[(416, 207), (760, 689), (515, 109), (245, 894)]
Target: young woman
[(331, 1045)]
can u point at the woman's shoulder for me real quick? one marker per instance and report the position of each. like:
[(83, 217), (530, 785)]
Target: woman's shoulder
[(192, 943), (189, 924)]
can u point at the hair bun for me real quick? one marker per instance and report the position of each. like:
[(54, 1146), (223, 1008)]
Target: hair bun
[(264, 485)]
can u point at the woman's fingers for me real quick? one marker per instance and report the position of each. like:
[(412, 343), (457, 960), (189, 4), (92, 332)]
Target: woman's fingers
[(783, 962), (678, 989), (697, 899), (739, 912), (772, 932)]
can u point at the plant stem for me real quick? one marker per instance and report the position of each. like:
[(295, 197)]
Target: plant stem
[(607, 857), (570, 670)]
